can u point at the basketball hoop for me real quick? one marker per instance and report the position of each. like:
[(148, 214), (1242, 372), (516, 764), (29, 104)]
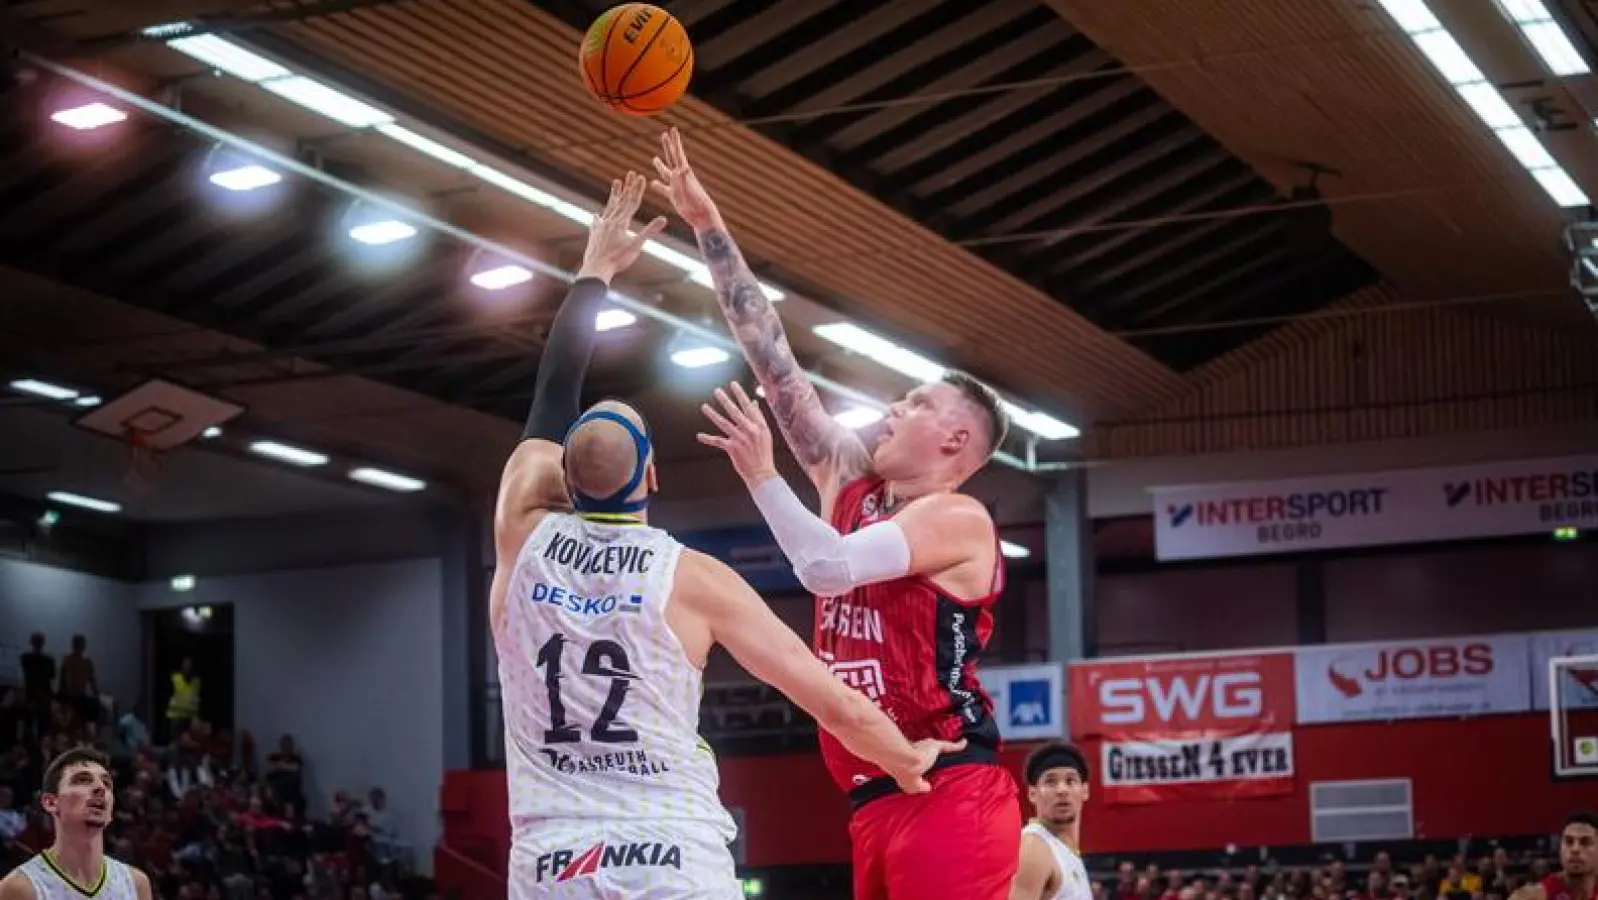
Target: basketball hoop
[(143, 467)]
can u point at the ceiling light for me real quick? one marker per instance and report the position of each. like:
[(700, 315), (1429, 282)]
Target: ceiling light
[(166, 30), (511, 185), (86, 118), (319, 98), (502, 277), (1490, 105), (858, 417), (43, 389), (87, 401), (388, 480), (1411, 15), (1041, 424), (387, 231), (211, 432), (612, 319), (182, 582), (699, 357), (289, 454), (852, 337), (226, 56), (427, 146), (70, 499), (246, 178), (1456, 67), (1013, 550), (695, 269), (1545, 35)]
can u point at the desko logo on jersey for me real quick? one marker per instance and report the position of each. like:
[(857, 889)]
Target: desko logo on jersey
[(565, 865), (557, 596)]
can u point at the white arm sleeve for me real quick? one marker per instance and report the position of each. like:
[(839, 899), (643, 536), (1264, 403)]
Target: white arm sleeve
[(827, 562)]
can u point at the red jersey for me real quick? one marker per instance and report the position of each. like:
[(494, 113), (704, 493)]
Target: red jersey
[(1557, 888), (912, 649)]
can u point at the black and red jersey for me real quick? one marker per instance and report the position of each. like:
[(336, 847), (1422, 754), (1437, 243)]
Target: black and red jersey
[(912, 648)]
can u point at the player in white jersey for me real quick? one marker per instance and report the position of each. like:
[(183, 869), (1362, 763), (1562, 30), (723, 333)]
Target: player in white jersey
[(1051, 844), (79, 798), (602, 625)]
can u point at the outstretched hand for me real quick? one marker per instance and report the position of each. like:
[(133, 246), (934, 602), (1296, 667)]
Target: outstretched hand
[(681, 186), (745, 437), (611, 246)]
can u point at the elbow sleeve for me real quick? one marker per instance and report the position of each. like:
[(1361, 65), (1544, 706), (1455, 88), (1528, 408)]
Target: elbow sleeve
[(875, 553)]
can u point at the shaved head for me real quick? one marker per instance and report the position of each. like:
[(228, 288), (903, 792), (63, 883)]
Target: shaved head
[(601, 456)]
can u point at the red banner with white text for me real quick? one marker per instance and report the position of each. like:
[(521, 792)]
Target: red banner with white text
[(1216, 726)]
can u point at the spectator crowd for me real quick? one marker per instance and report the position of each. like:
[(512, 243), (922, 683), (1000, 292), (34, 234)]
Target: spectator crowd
[(207, 816), (1492, 876)]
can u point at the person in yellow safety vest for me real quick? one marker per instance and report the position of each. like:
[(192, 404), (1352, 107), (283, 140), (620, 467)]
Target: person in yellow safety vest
[(185, 703)]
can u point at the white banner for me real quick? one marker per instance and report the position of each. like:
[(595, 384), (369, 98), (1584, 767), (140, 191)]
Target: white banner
[(1580, 688), (1409, 506), (1028, 701), (1413, 679), (1167, 763)]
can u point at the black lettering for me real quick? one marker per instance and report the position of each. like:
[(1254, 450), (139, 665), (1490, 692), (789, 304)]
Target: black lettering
[(673, 857), (614, 855), (635, 855)]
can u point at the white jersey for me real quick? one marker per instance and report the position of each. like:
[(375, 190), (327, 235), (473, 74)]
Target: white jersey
[(1073, 876), (601, 705), (50, 883)]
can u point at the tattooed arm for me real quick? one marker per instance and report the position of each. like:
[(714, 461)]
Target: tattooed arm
[(830, 453)]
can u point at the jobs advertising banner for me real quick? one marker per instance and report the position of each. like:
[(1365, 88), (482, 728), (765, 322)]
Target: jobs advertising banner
[(1409, 506), (1413, 679), (1203, 727)]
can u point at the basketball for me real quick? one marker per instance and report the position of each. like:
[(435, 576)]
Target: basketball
[(636, 59)]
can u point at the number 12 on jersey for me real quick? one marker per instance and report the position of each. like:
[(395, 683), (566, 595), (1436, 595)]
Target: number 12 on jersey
[(604, 659)]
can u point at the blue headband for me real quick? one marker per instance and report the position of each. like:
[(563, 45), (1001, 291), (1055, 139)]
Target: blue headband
[(617, 502)]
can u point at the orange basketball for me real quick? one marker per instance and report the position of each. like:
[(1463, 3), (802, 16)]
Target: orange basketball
[(637, 59)]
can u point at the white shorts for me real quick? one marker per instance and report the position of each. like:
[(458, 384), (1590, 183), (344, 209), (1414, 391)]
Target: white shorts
[(577, 859)]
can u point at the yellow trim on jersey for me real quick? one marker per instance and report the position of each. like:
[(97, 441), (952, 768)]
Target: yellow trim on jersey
[(105, 870), (610, 518)]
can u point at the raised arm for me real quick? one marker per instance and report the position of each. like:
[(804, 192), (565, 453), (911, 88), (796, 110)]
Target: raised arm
[(534, 479), (830, 453)]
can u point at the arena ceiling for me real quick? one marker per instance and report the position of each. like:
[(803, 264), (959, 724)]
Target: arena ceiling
[(1085, 203)]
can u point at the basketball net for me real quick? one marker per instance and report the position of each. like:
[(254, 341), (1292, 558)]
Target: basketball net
[(143, 467)]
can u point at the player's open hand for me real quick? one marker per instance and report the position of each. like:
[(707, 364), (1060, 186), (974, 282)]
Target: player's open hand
[(914, 780), (745, 437), (679, 184), (612, 247)]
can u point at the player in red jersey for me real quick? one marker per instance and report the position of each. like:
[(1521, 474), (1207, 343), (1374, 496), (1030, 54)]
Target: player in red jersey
[(905, 571), (1578, 855)]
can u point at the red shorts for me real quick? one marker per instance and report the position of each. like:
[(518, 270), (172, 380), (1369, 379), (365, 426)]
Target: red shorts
[(961, 841)]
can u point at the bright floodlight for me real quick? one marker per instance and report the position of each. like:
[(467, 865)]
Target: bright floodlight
[(502, 277), (82, 502), (43, 389), (89, 117), (858, 417), (699, 357), (612, 319), (289, 454), (246, 178), (392, 481), (377, 234), (1014, 551)]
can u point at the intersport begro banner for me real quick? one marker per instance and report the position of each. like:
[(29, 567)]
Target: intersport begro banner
[(1377, 508), (1193, 727)]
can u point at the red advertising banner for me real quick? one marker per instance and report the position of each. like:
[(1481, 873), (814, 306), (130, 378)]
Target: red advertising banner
[(1216, 726)]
